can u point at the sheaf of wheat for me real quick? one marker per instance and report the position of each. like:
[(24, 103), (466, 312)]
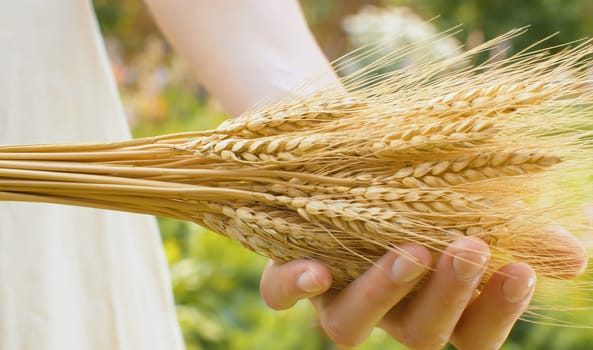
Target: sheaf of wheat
[(347, 173)]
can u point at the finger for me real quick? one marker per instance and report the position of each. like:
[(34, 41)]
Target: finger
[(560, 255), (282, 285), (486, 323), (427, 320), (353, 313)]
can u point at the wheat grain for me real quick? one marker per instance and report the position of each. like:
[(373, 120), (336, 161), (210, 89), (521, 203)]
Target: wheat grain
[(346, 174)]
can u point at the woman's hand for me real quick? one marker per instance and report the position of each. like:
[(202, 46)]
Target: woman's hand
[(441, 311)]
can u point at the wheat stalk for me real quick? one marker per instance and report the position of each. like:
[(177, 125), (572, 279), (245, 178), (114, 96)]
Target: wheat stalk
[(345, 174)]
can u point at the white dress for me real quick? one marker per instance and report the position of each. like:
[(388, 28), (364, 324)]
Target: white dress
[(72, 278)]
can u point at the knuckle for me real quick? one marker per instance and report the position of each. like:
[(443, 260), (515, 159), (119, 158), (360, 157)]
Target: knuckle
[(338, 334)]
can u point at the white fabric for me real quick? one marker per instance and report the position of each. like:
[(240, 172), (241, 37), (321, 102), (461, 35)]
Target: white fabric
[(72, 278)]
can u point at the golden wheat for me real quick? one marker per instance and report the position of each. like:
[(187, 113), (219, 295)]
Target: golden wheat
[(345, 174)]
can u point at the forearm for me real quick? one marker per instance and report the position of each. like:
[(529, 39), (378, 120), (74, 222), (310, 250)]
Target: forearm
[(244, 51)]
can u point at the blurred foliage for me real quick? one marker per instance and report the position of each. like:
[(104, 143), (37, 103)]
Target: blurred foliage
[(483, 20), (215, 281)]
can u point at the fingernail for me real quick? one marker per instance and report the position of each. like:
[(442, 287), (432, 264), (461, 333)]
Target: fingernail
[(468, 265), (404, 270), (515, 289), (308, 283)]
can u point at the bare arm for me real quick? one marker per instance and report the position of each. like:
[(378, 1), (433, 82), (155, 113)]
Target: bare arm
[(244, 51)]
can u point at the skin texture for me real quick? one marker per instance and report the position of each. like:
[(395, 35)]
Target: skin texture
[(250, 51)]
